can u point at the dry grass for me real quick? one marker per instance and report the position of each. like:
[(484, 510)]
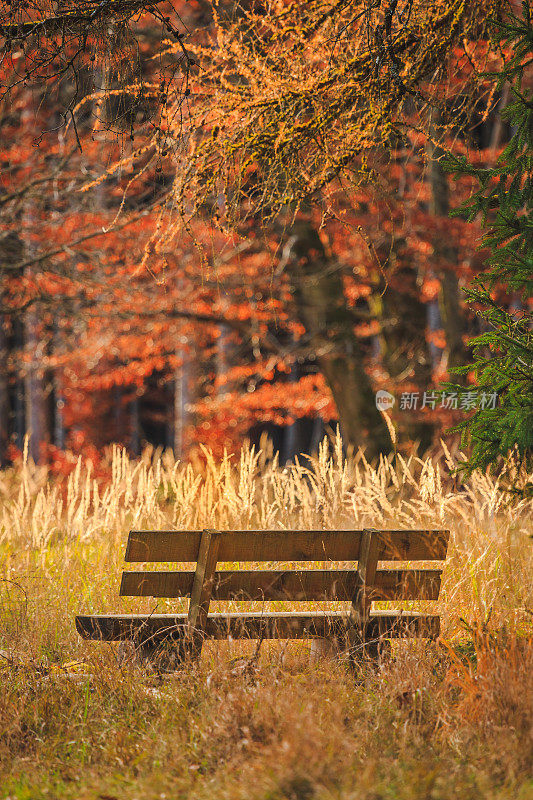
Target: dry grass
[(446, 720)]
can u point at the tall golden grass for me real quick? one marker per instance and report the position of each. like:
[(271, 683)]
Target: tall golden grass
[(453, 719)]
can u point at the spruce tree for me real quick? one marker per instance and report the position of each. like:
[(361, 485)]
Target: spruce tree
[(502, 358)]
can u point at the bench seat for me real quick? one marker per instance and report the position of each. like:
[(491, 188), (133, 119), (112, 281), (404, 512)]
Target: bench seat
[(250, 625)]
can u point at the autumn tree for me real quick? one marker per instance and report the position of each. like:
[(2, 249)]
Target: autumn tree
[(294, 106), (294, 237)]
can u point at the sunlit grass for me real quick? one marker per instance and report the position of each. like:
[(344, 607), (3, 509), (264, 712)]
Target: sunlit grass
[(449, 719)]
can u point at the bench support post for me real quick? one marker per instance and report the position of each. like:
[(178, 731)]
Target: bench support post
[(202, 589), (362, 599)]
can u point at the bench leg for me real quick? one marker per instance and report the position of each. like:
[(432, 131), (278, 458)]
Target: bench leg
[(201, 590), (360, 650), (357, 646), (377, 651), (163, 656), (323, 648)]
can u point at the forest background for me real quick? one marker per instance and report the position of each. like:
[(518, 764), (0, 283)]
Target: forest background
[(159, 287), (220, 221)]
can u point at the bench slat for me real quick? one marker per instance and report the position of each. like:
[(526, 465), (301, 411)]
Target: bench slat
[(275, 625), (389, 584), (179, 546)]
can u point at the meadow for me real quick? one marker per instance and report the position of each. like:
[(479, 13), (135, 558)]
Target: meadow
[(439, 720)]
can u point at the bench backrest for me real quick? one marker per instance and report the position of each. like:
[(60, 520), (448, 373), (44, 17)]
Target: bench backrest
[(362, 584), (288, 546)]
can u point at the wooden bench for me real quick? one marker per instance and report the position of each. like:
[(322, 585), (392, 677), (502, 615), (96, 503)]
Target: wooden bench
[(358, 627)]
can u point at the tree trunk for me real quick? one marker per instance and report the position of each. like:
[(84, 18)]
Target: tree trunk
[(58, 420), (11, 389), (319, 296), (449, 300), (135, 438), (498, 127), (4, 377), (19, 416), (34, 386), (36, 406), (4, 396), (181, 400), (403, 342), (291, 438)]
